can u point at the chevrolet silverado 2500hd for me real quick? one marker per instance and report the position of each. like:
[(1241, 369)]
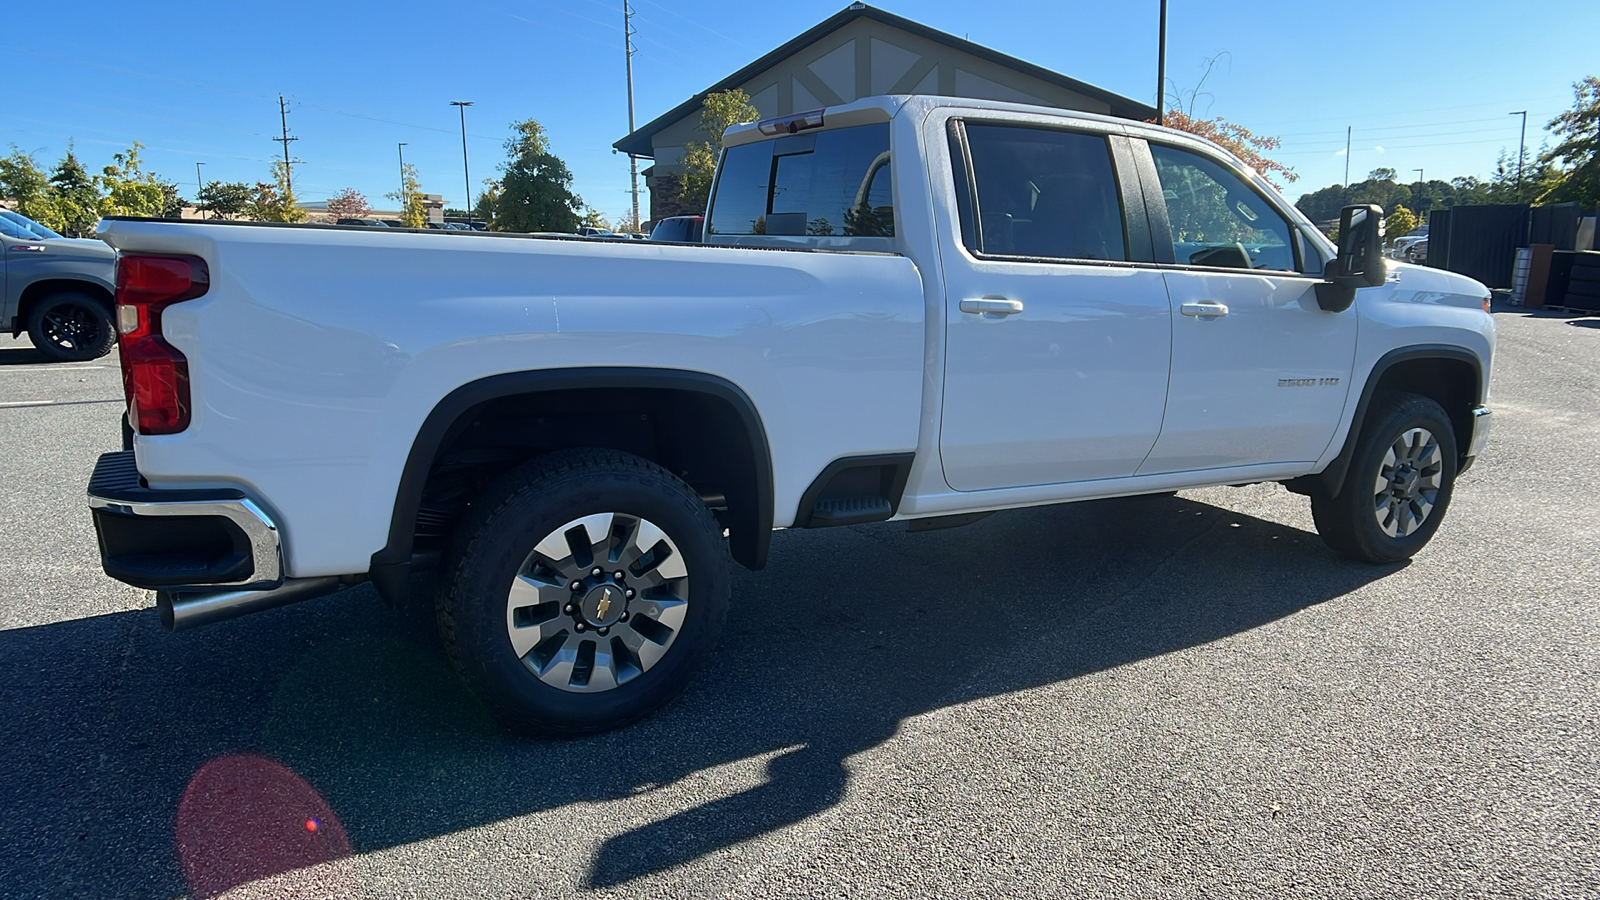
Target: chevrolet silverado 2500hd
[(905, 308)]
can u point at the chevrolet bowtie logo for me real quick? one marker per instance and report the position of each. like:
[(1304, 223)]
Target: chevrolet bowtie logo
[(605, 604)]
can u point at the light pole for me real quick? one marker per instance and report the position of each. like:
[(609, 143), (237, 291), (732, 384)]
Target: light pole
[(1522, 146), (200, 186), (1420, 179), (463, 104), (1161, 71), (405, 201)]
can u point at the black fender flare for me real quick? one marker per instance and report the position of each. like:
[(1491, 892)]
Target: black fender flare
[(1331, 479), (391, 566)]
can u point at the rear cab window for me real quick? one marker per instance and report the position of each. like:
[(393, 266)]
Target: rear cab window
[(824, 184)]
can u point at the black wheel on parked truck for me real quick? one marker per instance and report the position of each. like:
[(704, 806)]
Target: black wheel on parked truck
[(584, 589), (1401, 477), (71, 327)]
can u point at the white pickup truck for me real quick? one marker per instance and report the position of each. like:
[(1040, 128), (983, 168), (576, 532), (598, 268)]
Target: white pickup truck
[(905, 308)]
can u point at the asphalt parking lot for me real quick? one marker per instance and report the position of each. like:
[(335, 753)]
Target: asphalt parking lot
[(1171, 697)]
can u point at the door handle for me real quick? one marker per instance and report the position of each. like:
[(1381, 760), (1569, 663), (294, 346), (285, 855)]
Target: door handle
[(1002, 306), (1205, 309)]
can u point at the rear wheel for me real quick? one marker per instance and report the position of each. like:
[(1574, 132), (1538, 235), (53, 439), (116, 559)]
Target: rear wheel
[(585, 591), (71, 327), (1401, 478)]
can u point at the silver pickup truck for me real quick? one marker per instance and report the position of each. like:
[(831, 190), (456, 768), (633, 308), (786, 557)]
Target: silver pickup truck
[(58, 289)]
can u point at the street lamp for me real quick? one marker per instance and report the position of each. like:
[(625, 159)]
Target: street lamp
[(463, 104), (1420, 179), (1522, 146), (200, 186), (404, 200)]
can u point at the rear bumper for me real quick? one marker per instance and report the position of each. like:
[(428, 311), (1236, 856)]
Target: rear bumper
[(177, 540)]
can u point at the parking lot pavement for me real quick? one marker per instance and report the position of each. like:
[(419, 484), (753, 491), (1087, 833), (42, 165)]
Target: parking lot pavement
[(1170, 697)]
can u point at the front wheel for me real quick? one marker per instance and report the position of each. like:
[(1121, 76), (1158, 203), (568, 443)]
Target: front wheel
[(71, 327), (585, 590), (1401, 478)]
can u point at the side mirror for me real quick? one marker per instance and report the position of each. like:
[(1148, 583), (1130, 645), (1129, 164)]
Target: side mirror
[(1360, 261)]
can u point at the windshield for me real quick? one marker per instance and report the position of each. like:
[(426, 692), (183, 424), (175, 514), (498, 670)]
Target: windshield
[(35, 230)]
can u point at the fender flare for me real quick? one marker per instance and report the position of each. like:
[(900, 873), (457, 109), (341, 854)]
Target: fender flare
[(391, 566), (1331, 478)]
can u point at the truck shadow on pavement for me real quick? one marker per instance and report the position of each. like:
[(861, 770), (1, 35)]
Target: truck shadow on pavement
[(829, 651), (21, 356)]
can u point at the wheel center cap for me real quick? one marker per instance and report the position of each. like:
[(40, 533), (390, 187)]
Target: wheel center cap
[(603, 606), (1406, 483)]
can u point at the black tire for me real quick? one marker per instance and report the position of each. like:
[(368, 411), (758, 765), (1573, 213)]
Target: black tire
[(71, 327), (1349, 522), (497, 538)]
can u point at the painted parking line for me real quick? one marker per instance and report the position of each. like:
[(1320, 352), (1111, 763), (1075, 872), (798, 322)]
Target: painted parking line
[(48, 367), (19, 404)]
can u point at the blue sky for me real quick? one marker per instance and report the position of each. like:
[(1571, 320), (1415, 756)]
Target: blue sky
[(1429, 83)]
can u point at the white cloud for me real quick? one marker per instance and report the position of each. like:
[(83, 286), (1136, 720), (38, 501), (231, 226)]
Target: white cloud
[(1340, 152), (1378, 148)]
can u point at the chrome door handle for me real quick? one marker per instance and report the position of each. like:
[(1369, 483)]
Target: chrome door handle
[(1205, 309), (1003, 306)]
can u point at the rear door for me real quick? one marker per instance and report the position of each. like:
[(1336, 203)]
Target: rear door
[(1259, 371), (1059, 333)]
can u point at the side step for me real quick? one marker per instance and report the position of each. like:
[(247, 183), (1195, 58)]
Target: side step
[(850, 511)]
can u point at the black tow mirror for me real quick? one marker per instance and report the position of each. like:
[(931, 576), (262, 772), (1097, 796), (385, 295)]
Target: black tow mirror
[(1360, 261)]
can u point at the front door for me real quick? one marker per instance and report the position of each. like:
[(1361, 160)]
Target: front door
[(1259, 372), (1057, 350)]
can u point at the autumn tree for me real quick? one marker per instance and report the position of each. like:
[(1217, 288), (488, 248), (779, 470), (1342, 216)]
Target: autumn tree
[(535, 185), (274, 201), (1249, 147), (413, 207), (718, 113), (349, 204), (1399, 222)]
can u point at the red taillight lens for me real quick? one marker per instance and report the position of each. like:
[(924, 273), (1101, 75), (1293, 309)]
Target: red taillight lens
[(155, 376)]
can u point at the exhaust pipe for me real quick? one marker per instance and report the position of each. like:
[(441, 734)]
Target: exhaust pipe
[(189, 609)]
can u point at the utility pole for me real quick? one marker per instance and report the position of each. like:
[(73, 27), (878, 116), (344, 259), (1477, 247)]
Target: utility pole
[(463, 104), (1522, 146), (286, 140), (1348, 131), (405, 198), (628, 51), (200, 187), (1420, 179), (1161, 71)]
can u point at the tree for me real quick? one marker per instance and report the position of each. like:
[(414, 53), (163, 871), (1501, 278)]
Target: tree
[(26, 185), (225, 198), (1400, 221), (535, 187), (349, 204), (274, 202), (592, 218), (488, 200), (129, 190), (77, 197), (172, 202), (1249, 147), (1576, 156), (718, 113), (413, 207)]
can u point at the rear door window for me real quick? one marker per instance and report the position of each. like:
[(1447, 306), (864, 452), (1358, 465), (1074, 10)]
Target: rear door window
[(826, 184), (1044, 193)]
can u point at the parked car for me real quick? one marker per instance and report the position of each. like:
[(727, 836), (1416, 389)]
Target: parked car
[(369, 222), (582, 436), (679, 229), (590, 231), (1401, 244), (57, 289), (1417, 252)]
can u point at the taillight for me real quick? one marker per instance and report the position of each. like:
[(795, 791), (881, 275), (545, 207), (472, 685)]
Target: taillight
[(155, 376)]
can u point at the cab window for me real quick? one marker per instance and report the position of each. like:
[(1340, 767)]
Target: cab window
[(1044, 194), (1217, 218), (825, 184)]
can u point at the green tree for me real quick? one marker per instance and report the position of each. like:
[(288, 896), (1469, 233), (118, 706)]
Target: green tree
[(172, 202), (26, 185), (274, 201), (225, 199), (1576, 155), (77, 197), (592, 218), (129, 190), (1400, 221), (535, 185), (413, 208), (488, 200), (718, 113)]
